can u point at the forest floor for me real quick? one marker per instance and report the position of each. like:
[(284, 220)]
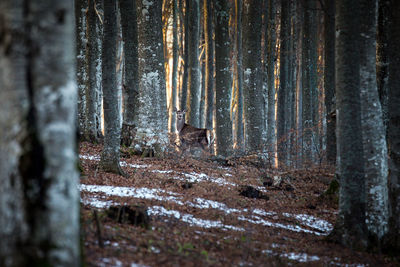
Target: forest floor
[(180, 211)]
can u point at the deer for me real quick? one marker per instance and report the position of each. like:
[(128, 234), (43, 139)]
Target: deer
[(191, 136)]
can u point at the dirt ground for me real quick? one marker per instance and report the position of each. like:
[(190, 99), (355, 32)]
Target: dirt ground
[(180, 211)]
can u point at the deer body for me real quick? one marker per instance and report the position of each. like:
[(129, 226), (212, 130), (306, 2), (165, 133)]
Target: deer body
[(190, 136)]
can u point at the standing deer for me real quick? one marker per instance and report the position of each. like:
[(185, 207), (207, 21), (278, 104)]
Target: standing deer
[(190, 136)]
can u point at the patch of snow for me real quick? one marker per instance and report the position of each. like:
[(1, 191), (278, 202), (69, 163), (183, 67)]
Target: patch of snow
[(190, 219), (300, 257), (145, 193), (199, 177), (160, 171), (263, 212), (95, 202), (124, 164), (294, 228), (202, 203), (90, 157), (311, 221)]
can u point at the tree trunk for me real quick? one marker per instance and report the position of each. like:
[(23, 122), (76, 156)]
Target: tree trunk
[(110, 155), (283, 82), (350, 229), (131, 82), (194, 90), (81, 70), (38, 177), (175, 57), (374, 137), (152, 120), (209, 73), (252, 82), (394, 125), (309, 82), (240, 143), (382, 71), (329, 80), (184, 87), (223, 78), (93, 128), (271, 59)]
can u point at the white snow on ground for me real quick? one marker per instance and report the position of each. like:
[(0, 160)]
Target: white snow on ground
[(190, 219), (199, 177), (90, 157), (299, 257), (311, 221), (148, 193), (295, 228)]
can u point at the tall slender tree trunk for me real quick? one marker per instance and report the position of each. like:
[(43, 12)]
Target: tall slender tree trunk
[(131, 81), (209, 72), (184, 88), (194, 75), (382, 71), (81, 70), (271, 59), (350, 229), (175, 57), (394, 125), (374, 136), (110, 155), (283, 82), (252, 82), (93, 129), (240, 142), (329, 80), (309, 84), (223, 78), (38, 177)]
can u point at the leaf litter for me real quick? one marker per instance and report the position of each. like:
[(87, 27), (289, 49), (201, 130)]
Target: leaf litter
[(209, 223)]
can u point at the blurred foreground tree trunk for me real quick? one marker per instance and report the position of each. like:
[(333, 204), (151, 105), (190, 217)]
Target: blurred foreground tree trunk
[(38, 177)]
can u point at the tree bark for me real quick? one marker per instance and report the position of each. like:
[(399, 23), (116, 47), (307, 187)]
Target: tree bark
[(283, 82), (209, 73), (271, 59), (240, 142), (223, 78), (81, 70), (309, 82), (329, 80), (175, 57), (194, 89), (110, 155), (394, 125), (93, 128), (252, 82), (382, 71), (38, 177), (131, 82), (374, 136), (152, 120), (350, 229)]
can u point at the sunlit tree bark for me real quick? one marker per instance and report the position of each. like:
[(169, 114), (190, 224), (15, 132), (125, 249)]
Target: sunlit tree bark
[(209, 72)]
